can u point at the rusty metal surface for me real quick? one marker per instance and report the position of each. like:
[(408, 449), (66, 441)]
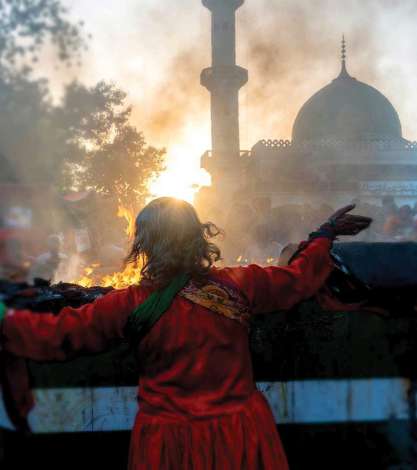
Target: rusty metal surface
[(106, 409)]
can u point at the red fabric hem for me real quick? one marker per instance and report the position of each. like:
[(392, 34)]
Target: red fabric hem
[(245, 440)]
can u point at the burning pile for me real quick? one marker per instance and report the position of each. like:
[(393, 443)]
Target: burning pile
[(118, 280), (45, 298)]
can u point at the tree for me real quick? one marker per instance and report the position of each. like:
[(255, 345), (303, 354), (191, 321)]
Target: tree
[(84, 142), (25, 26), (106, 152), (29, 142), (27, 139)]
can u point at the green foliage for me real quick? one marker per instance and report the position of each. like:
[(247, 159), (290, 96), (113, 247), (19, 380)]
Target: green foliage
[(25, 26), (28, 143), (85, 142), (107, 153)]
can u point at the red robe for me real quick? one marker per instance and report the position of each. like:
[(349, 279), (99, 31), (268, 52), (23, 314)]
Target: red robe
[(199, 406)]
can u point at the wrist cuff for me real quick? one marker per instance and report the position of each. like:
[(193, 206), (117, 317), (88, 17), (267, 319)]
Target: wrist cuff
[(326, 231)]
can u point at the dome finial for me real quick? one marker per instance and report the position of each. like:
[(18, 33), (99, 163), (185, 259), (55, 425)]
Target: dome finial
[(343, 71)]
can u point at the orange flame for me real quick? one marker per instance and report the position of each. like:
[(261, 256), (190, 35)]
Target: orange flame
[(130, 275), (130, 219), (119, 280)]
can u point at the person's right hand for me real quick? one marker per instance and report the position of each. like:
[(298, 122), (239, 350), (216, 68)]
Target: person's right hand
[(343, 223)]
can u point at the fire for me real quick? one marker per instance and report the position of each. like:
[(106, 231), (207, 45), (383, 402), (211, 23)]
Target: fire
[(128, 215), (85, 281), (130, 275), (119, 280), (242, 260), (182, 179)]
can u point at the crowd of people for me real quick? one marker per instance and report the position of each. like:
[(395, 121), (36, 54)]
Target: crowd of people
[(261, 235), (59, 250), (399, 223), (256, 236)]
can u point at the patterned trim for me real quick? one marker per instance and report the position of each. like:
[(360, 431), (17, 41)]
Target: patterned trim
[(219, 299)]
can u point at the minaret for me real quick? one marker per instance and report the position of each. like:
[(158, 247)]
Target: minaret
[(223, 80)]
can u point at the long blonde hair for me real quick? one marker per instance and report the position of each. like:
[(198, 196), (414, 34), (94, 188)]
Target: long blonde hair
[(170, 239)]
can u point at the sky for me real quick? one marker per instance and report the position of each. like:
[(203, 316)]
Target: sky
[(155, 50)]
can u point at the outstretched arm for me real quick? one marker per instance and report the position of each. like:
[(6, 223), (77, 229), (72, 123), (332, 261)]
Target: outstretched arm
[(90, 328), (280, 288)]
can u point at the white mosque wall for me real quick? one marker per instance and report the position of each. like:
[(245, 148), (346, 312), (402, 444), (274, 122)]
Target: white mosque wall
[(341, 198)]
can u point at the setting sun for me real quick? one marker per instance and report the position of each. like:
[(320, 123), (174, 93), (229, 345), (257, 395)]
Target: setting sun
[(183, 176)]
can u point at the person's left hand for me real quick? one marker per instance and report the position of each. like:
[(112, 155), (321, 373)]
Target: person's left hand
[(343, 223)]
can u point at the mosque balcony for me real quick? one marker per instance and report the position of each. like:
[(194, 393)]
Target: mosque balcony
[(273, 143), (215, 164), (270, 148), (223, 76), (216, 4)]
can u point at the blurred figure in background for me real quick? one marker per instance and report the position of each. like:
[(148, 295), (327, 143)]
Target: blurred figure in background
[(286, 254), (400, 225), (12, 264), (406, 227), (263, 248), (46, 265), (239, 227), (389, 216)]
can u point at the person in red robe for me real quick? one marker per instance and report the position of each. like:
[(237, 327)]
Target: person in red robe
[(199, 407)]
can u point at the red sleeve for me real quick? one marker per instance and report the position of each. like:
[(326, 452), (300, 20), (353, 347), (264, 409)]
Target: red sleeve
[(90, 328), (280, 288)]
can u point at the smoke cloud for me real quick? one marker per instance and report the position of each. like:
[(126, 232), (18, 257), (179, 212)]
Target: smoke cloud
[(155, 51), (291, 49)]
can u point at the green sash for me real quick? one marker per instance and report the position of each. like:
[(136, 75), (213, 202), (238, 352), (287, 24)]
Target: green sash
[(142, 319), (3, 310)]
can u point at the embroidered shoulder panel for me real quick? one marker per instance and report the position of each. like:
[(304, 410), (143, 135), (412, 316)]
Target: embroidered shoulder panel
[(220, 299)]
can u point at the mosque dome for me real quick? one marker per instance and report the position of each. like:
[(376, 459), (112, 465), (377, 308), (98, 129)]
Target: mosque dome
[(347, 110)]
